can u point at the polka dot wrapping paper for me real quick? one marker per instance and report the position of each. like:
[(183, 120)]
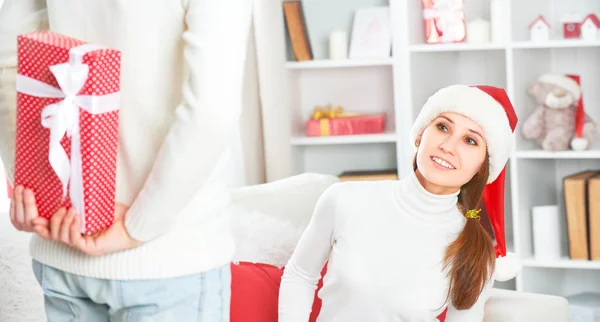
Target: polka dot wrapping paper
[(80, 169)]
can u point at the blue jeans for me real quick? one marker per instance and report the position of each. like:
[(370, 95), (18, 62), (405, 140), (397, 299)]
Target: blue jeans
[(203, 297)]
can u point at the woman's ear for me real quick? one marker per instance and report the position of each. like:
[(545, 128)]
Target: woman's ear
[(418, 140)]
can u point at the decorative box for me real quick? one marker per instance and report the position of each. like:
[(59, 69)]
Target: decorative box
[(444, 21), (67, 125), (571, 25)]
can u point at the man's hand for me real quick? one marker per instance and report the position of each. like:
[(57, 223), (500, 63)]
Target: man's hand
[(65, 226), (24, 213)]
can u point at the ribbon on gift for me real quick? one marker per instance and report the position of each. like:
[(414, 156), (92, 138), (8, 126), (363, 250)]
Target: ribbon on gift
[(446, 13), (327, 113), (63, 117)]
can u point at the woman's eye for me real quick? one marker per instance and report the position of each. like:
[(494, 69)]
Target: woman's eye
[(471, 141), (442, 127)]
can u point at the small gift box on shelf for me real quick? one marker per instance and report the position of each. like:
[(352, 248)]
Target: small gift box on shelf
[(444, 21), (332, 122), (67, 125)]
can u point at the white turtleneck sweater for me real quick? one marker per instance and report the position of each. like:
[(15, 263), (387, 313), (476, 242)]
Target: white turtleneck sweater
[(181, 96), (384, 244)]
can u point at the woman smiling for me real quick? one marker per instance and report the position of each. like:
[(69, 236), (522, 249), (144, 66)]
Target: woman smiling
[(414, 249)]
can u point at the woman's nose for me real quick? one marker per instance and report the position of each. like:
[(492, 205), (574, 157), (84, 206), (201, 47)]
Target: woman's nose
[(448, 146)]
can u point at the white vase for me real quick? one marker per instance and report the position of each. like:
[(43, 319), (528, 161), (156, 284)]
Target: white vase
[(498, 20), (546, 232), (338, 45), (478, 31)]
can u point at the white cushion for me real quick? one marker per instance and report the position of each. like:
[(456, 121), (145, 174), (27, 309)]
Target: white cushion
[(264, 239), (293, 198), (507, 305), (268, 219)]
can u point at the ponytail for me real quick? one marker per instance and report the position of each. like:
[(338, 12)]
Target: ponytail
[(471, 257)]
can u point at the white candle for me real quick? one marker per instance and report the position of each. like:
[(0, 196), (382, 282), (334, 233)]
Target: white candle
[(478, 31), (497, 18), (546, 232), (338, 45)]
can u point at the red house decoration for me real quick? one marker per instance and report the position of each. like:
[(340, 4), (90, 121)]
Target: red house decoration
[(539, 29), (571, 26), (589, 27)]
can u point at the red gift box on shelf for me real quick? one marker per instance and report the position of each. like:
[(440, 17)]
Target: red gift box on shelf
[(67, 125), (444, 21), (329, 121)]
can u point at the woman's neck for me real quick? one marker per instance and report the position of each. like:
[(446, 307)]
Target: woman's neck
[(434, 188), (427, 206)]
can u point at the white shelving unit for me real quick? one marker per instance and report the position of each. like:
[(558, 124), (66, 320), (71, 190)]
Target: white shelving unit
[(399, 85)]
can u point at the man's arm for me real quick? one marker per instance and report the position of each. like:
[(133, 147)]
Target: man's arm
[(16, 17), (214, 58)]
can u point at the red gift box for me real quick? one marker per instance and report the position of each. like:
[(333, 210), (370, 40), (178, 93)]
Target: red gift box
[(67, 125), (444, 21), (326, 122)]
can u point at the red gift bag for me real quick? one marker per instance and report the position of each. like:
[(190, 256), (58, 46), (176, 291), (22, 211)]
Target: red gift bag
[(67, 125), (444, 21)]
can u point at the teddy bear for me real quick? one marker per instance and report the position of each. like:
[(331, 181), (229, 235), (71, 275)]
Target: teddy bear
[(559, 122)]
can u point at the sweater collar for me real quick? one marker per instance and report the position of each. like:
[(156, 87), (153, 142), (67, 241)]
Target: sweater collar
[(423, 204)]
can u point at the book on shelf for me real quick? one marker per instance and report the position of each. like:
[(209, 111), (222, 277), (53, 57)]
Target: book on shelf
[(369, 175), (593, 197), (581, 211), (297, 32)]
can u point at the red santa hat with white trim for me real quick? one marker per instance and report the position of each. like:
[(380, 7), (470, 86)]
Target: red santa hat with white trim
[(491, 108), (572, 85)]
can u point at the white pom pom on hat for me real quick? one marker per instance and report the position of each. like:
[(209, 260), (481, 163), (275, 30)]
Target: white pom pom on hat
[(491, 108)]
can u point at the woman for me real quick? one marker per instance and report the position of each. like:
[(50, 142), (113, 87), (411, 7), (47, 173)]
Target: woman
[(167, 255), (414, 249)]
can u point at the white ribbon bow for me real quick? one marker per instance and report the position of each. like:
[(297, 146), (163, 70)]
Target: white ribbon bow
[(63, 117), (446, 11)]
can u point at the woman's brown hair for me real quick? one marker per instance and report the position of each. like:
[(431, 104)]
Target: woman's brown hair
[(471, 257)]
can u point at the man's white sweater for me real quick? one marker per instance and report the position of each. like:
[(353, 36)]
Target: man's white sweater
[(181, 96)]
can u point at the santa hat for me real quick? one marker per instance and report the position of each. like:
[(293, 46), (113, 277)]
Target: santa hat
[(568, 83), (571, 84), (578, 142), (491, 108)]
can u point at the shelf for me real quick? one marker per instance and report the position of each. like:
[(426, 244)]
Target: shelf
[(541, 154), (455, 47), (345, 139), (322, 64), (401, 84), (559, 43), (561, 263)]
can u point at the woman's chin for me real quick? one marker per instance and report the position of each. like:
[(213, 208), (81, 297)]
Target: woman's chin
[(442, 177), (436, 176)]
